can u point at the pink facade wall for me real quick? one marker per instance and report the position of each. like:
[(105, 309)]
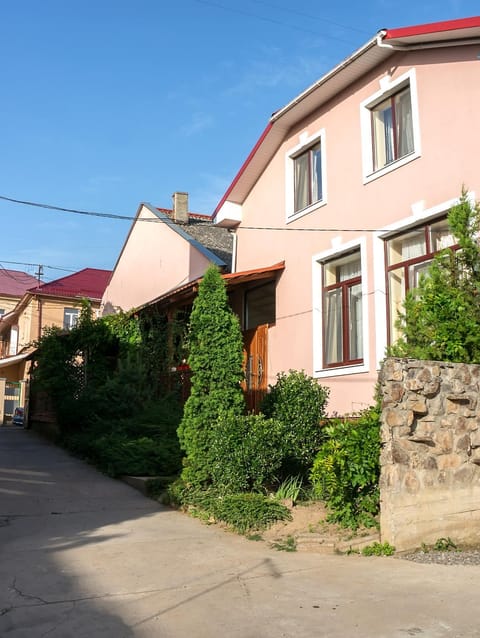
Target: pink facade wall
[(448, 87), (154, 260)]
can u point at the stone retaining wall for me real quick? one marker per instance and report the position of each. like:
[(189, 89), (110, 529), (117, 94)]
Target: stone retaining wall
[(430, 477)]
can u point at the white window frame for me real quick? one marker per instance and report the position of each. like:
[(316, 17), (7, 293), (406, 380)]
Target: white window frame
[(306, 141), (388, 88), (318, 262), (72, 313)]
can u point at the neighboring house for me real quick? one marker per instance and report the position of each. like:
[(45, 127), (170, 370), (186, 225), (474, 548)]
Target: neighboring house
[(165, 249), (349, 185), (57, 303), (13, 285)]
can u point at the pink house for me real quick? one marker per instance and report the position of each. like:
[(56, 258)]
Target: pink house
[(349, 186), (164, 249)]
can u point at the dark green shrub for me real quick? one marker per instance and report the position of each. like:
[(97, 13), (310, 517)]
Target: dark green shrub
[(215, 359), (246, 453), (250, 512), (346, 469), (144, 444), (298, 402), (244, 512)]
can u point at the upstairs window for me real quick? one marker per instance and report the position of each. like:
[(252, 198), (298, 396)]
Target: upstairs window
[(70, 318), (390, 126), (305, 176), (392, 129), (308, 177)]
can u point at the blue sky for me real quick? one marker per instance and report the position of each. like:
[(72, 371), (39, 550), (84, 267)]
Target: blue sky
[(108, 103)]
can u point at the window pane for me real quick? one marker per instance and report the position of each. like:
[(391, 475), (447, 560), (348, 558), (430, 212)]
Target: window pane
[(333, 326), (441, 236), (356, 329), (316, 173), (408, 246), (302, 186), (403, 119), (382, 120), (416, 271), (396, 290)]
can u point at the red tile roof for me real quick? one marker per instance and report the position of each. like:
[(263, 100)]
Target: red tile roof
[(14, 283), (89, 283)]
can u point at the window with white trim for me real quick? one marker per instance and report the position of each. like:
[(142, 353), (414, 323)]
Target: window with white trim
[(70, 318), (307, 170), (342, 311), (305, 176), (408, 256), (390, 128)]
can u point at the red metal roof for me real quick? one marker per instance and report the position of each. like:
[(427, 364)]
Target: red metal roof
[(14, 283), (89, 283), (433, 27)]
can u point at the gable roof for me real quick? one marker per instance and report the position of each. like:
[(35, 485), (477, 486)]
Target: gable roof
[(383, 45), (212, 241), (14, 283), (89, 283)]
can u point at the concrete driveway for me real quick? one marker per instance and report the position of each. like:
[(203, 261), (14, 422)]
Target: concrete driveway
[(83, 555)]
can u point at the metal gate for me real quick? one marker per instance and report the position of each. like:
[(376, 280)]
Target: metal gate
[(12, 399)]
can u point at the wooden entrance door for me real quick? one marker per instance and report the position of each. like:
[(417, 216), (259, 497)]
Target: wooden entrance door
[(255, 362)]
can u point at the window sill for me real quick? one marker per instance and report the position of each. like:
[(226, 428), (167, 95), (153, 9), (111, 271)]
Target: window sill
[(341, 371), (391, 167), (305, 211)]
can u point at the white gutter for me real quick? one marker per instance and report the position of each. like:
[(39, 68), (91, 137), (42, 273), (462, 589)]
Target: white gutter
[(369, 45), (424, 45)]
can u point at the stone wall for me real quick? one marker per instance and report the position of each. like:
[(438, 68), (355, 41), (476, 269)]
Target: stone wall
[(430, 477)]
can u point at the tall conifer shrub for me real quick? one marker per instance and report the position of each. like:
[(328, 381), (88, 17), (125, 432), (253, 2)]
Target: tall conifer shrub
[(215, 359)]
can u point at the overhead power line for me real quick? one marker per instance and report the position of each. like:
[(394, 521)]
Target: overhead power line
[(25, 263), (171, 222), (250, 14)]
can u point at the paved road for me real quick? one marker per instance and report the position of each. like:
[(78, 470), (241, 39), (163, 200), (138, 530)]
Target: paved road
[(82, 555)]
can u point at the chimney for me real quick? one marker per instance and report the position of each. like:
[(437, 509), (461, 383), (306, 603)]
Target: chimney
[(180, 208)]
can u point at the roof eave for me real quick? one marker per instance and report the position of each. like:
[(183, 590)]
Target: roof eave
[(385, 44)]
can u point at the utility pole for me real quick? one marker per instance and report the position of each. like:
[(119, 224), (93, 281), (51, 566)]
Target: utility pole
[(39, 274)]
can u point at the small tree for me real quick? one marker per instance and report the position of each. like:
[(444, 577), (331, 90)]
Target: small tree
[(441, 318), (215, 359)]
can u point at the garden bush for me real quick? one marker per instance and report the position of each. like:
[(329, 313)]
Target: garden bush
[(298, 403), (346, 469), (244, 512), (246, 453), (144, 444)]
